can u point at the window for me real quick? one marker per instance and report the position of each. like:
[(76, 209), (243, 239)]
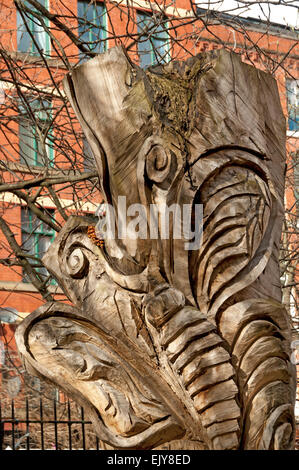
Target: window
[(31, 34), (292, 87), (153, 47), (88, 161), (33, 131), (36, 239), (92, 25)]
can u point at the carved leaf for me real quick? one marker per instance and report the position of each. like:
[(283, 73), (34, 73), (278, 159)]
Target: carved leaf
[(72, 352)]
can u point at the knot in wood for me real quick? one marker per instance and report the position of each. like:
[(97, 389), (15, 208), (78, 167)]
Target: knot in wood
[(158, 163)]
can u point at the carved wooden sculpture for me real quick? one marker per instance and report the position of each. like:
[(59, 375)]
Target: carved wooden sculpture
[(186, 348)]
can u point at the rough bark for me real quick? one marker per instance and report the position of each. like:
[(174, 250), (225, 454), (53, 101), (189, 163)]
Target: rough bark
[(167, 347)]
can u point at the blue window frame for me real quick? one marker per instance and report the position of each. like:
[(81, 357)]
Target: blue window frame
[(31, 24), (92, 25), (292, 88), (32, 131), (153, 45), (37, 236)]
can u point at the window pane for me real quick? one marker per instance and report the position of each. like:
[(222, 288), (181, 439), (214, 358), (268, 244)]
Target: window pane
[(42, 108), (36, 223), (43, 244), (32, 152), (23, 37), (39, 35), (25, 220), (32, 24), (36, 238), (153, 47), (91, 25), (161, 53), (83, 28), (145, 53), (28, 244), (26, 142), (43, 115), (292, 88), (45, 228), (40, 159), (44, 273), (144, 47)]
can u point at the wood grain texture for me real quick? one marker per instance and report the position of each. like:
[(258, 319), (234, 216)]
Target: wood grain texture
[(167, 347)]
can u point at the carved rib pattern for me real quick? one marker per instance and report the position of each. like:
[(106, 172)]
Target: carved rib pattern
[(237, 204), (239, 216), (198, 357), (257, 332)]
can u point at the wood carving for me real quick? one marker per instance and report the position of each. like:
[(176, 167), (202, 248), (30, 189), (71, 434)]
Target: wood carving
[(165, 346)]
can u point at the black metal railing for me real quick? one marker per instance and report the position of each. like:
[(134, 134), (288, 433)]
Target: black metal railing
[(52, 426), (45, 426)]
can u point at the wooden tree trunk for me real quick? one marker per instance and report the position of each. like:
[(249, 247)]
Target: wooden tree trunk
[(168, 347)]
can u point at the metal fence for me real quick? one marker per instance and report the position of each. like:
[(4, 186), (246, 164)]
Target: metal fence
[(45, 426), (48, 426)]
